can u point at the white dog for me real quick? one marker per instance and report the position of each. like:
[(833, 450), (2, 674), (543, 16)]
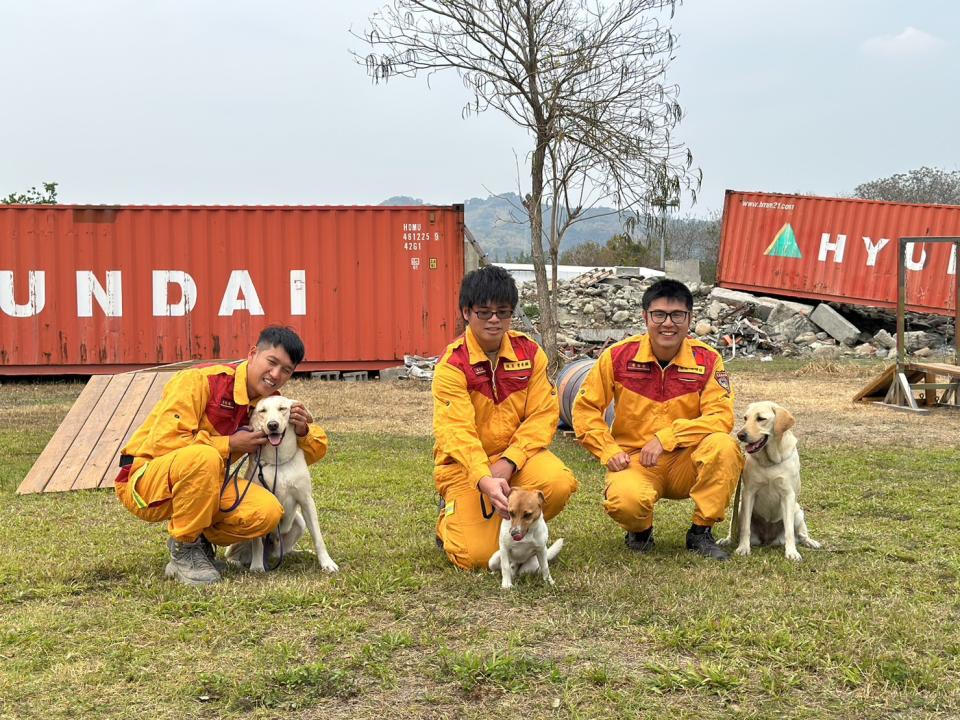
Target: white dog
[(285, 474), (769, 511), (523, 540)]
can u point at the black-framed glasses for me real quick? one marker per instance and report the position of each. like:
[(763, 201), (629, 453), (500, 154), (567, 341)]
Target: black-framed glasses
[(659, 317), (487, 314)]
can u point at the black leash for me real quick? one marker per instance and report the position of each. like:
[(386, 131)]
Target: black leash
[(233, 475)]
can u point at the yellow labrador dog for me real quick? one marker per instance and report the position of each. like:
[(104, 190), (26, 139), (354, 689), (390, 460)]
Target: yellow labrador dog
[(769, 511), (285, 474)]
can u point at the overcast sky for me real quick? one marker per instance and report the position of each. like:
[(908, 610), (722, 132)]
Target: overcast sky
[(236, 102)]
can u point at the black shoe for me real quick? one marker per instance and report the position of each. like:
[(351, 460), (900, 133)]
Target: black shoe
[(641, 542), (700, 540)]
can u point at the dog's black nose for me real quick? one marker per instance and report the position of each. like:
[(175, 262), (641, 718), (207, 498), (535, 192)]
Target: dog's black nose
[(273, 426), (742, 436)]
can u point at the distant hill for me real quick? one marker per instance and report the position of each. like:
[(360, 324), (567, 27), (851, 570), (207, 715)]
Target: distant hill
[(493, 220)]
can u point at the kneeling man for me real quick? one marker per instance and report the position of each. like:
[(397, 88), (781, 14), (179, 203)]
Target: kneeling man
[(494, 414), (671, 434)]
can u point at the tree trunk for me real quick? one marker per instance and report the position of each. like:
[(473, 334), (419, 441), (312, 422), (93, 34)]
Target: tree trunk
[(545, 297)]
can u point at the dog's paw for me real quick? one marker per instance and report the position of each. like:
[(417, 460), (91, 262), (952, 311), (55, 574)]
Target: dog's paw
[(742, 550), (328, 565), (723, 542), (255, 569), (811, 543), (793, 555), (506, 586), (550, 581)]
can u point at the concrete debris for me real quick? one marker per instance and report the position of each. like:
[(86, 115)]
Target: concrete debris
[(414, 366), (740, 324)]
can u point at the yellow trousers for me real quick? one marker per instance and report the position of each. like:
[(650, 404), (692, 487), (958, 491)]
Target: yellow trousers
[(706, 472), (183, 487), (469, 527)]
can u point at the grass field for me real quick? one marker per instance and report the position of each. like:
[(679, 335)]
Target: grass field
[(866, 628)]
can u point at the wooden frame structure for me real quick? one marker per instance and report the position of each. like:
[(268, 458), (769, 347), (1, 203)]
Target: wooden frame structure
[(938, 383)]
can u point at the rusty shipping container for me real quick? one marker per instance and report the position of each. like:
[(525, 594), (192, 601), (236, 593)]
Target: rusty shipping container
[(837, 249), (94, 289)]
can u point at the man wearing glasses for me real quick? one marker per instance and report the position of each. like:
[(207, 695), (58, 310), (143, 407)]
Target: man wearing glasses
[(494, 414), (671, 434)]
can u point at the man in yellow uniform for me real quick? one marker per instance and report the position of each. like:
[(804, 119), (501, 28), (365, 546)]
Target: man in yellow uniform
[(494, 414), (670, 436), (173, 468)]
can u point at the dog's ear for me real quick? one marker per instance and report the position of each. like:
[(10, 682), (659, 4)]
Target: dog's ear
[(540, 497), (784, 421)]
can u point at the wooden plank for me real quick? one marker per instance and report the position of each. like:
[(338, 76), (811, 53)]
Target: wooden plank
[(101, 461), (89, 435), (938, 368), (52, 455), (878, 386), (150, 398)]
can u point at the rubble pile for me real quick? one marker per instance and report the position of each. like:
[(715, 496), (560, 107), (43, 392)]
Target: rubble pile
[(597, 311)]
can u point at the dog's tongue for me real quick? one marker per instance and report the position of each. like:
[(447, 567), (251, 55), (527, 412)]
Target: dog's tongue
[(517, 536), (275, 439), (753, 447)]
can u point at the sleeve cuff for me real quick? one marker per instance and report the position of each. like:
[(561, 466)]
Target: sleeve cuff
[(515, 455), (222, 444), (667, 439), (476, 474)]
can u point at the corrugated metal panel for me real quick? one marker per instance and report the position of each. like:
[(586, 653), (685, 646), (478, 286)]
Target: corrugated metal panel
[(837, 249), (90, 289)]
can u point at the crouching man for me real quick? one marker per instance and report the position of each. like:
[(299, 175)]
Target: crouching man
[(494, 414), (671, 434), (173, 468)]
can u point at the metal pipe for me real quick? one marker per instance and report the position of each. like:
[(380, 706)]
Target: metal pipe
[(901, 303)]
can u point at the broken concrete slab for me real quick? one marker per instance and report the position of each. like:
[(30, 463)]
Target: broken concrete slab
[(602, 335), (834, 324), (393, 373)]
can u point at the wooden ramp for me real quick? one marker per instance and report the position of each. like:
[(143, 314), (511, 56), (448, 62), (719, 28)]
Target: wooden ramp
[(938, 385), (84, 452)]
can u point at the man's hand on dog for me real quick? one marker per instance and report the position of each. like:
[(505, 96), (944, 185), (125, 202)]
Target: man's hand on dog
[(300, 418), (651, 452), (247, 441), (497, 489)]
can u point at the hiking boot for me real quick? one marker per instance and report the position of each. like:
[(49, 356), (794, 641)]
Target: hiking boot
[(210, 550), (190, 564), (641, 542), (700, 540)]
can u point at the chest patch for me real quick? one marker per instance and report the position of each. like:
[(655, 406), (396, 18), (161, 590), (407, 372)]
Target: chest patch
[(518, 365), (638, 367), (696, 370)]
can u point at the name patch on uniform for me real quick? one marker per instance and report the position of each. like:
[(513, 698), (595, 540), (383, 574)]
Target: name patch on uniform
[(518, 365), (227, 404), (723, 380), (696, 370), (634, 366), (479, 370)]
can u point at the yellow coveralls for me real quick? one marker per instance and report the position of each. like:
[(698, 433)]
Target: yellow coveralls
[(483, 412), (688, 406), (178, 458)]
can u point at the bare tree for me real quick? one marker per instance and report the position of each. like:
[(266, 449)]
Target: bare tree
[(586, 78), (922, 185)]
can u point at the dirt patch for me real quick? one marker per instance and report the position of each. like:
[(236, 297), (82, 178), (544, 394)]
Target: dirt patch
[(818, 396)]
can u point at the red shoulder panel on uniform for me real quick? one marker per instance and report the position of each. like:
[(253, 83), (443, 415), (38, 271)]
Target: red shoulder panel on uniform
[(477, 376), (221, 411)]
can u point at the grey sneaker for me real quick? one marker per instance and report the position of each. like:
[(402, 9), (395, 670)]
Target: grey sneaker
[(190, 564), (210, 551)]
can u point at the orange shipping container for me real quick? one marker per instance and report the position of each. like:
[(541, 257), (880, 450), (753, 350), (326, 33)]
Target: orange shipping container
[(93, 289), (838, 249)]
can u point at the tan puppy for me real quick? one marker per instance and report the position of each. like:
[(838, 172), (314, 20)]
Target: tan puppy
[(769, 511), (523, 539)]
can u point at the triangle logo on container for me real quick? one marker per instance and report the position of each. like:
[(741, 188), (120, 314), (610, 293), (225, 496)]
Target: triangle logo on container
[(784, 244)]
